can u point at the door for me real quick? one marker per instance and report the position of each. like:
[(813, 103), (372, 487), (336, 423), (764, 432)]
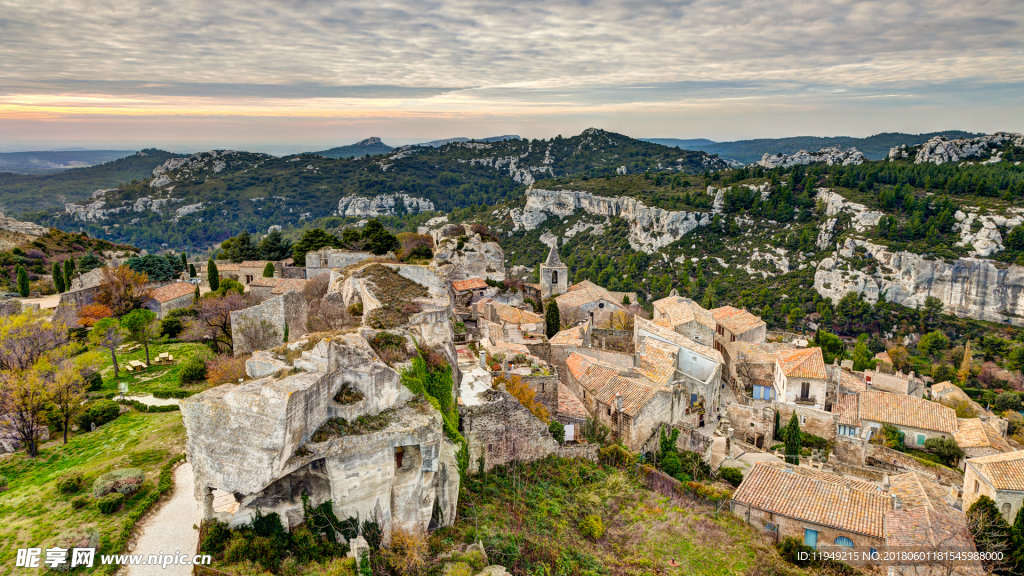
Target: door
[(805, 389), (811, 538)]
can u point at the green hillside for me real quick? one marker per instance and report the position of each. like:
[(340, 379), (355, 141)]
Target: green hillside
[(371, 146), (48, 162)]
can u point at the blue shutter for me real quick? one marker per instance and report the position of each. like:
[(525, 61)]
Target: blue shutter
[(811, 538)]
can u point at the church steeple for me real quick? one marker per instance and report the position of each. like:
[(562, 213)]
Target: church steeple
[(554, 276), (553, 260)]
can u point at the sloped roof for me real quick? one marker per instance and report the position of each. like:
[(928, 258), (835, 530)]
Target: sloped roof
[(817, 499), (470, 284), (761, 353), (888, 382), (846, 408), (569, 405), (916, 491), (735, 320), (606, 382), (931, 527), (973, 433), (901, 410), (668, 335), (675, 310), (515, 315), (254, 263), (171, 291), (572, 335), (553, 261), (584, 293), (1003, 471), (802, 363), (657, 361), (279, 285)]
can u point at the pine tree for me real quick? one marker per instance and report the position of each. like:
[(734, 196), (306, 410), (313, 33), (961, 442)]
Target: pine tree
[(552, 320), (987, 525), (22, 282), (69, 273), (791, 435), (58, 278), (212, 275), (268, 270)]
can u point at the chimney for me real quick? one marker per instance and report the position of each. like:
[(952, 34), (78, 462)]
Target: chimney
[(897, 502), (618, 402)]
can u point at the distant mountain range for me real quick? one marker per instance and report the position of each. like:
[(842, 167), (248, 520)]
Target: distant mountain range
[(371, 146), (46, 162), (746, 151), (439, 143)]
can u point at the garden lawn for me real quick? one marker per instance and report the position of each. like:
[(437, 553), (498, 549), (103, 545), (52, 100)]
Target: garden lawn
[(33, 513), (156, 377)]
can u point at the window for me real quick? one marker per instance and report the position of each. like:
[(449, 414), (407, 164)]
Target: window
[(609, 410), (554, 277), (976, 485), (541, 386), (920, 439), (874, 552), (1006, 511), (803, 420), (811, 538), (867, 379), (601, 305), (843, 541)]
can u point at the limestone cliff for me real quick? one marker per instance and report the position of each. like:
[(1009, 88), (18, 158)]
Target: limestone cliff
[(477, 257), (830, 156), (940, 149), (383, 205)]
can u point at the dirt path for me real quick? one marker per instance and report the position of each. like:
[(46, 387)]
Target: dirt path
[(170, 529)]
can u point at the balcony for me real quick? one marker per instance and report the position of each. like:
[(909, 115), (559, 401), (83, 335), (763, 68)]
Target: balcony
[(810, 400)]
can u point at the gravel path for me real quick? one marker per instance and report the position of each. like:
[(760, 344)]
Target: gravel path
[(151, 400), (170, 529)]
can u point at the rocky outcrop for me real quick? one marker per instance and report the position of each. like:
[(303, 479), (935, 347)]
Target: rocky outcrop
[(25, 228), (383, 205), (477, 258), (967, 287), (940, 149), (649, 230), (830, 156)]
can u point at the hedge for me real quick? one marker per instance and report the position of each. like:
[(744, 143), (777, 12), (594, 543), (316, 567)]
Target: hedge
[(173, 393), (150, 409), (110, 503), (70, 483)]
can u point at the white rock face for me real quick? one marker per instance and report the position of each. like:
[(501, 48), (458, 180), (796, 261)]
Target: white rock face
[(383, 205), (718, 204), (830, 156), (161, 180), (835, 204), (649, 230), (940, 149), (26, 228), (476, 259), (968, 287), (188, 209)]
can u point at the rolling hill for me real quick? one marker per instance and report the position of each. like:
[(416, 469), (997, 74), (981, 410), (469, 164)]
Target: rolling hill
[(46, 162), (371, 146)]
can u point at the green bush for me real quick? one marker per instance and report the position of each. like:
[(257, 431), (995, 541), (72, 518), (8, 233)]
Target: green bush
[(172, 393), (193, 370), (125, 481), (171, 327), (216, 539), (592, 528), (256, 549), (82, 537), (70, 483), (95, 382), (79, 502), (1008, 401), (110, 503), (99, 413), (557, 430), (731, 475), (150, 409)]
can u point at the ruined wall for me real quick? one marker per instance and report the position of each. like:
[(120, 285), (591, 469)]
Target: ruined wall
[(812, 420), (750, 422), (288, 309), (546, 388), (847, 450), (889, 459), (321, 261), (502, 430)]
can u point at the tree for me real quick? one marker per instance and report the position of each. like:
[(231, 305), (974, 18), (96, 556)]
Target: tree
[(791, 436), (312, 240), (212, 276), (1008, 401), (58, 278), (552, 323), (68, 388), (1016, 546), (184, 261), (240, 248), (964, 374), (268, 270), (274, 246), (900, 358), (213, 320), (192, 271), (195, 295), (69, 272), (863, 359), (256, 334), (933, 343), (23, 287), (380, 240), (142, 327), (122, 289), (23, 398), (832, 346), (27, 337), (945, 448), (852, 308), (942, 373), (107, 333), (89, 314), (156, 268), (932, 308), (987, 525)]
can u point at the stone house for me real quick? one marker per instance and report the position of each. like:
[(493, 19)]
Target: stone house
[(554, 276), (816, 507), (732, 324), (897, 383), (751, 367), (571, 413), (323, 260), (499, 430), (509, 317), (998, 476), (800, 377), (687, 318), (579, 335), (917, 418), (170, 297), (588, 300), (468, 291), (979, 438), (263, 289)]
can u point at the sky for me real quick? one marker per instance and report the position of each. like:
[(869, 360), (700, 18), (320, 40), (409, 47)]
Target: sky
[(283, 77)]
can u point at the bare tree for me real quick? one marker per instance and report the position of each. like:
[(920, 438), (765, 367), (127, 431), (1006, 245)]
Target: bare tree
[(67, 390), (26, 337), (213, 321), (256, 335), (621, 320), (329, 313), (107, 333), (572, 316), (122, 289), (23, 398)]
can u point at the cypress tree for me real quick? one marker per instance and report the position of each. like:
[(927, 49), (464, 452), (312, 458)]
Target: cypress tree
[(1016, 547), (212, 275), (22, 281), (184, 261), (552, 320), (58, 278), (195, 295), (791, 435), (192, 271), (69, 272), (268, 270)]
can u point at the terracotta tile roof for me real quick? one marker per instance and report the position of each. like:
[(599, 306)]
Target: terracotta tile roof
[(883, 356), (762, 353), (931, 528), (515, 315), (228, 267), (470, 284), (802, 363), (254, 264), (735, 320), (569, 405), (1002, 471), (606, 382), (584, 293), (840, 505), (830, 477), (171, 291), (916, 491), (572, 335), (675, 310), (901, 410), (846, 408), (973, 433), (578, 363), (657, 361), (287, 284), (668, 335), (851, 382)]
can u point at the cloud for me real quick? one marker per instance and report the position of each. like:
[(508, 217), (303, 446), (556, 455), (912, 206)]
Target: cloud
[(532, 58)]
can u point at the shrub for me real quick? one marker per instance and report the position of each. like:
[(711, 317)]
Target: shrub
[(82, 537), (193, 370), (3, 483), (125, 481), (110, 503), (95, 382), (592, 528), (171, 393), (557, 430), (171, 327), (70, 483), (216, 539), (224, 369), (731, 475), (79, 502), (99, 413), (408, 551), (257, 549), (617, 455), (1008, 401)]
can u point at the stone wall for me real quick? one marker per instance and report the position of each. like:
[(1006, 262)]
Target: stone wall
[(850, 451), (749, 423), (812, 420), (795, 528), (892, 460), (859, 471), (502, 430), (321, 261), (546, 388), (288, 309)]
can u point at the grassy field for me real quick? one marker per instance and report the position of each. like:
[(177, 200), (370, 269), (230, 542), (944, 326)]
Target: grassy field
[(155, 377), (529, 523), (33, 512)]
